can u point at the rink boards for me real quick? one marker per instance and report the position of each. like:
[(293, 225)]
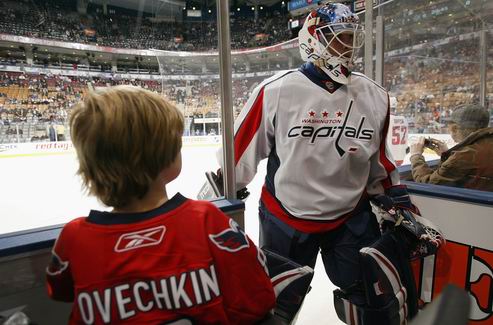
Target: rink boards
[(466, 218), (29, 149)]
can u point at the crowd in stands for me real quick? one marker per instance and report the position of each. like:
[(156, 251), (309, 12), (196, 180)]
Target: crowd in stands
[(426, 88), (44, 98), (57, 19), (428, 84)]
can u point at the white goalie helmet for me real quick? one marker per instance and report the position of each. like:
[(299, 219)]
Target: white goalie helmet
[(329, 38)]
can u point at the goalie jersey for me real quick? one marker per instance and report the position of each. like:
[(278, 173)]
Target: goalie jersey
[(183, 260), (325, 145)]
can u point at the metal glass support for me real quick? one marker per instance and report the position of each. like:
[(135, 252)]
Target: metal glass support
[(379, 50), (226, 98), (17, 133), (369, 38), (483, 51)]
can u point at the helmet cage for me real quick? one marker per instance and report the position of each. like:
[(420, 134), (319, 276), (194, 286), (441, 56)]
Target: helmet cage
[(330, 38), (340, 41)]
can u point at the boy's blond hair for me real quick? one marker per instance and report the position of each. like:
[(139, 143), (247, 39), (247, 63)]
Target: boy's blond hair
[(124, 137)]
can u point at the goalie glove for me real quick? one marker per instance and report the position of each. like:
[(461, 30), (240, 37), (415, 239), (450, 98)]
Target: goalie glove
[(422, 236), (216, 181)]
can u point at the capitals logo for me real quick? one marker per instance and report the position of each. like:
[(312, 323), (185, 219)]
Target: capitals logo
[(334, 131), (310, 52), (57, 265), (231, 239)]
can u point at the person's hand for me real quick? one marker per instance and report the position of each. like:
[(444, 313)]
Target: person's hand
[(439, 146), (417, 148)]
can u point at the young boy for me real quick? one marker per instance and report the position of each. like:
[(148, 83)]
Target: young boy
[(153, 259)]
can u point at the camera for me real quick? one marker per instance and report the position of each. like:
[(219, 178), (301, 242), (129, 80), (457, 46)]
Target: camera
[(431, 143)]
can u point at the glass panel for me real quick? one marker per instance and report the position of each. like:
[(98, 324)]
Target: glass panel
[(72, 47), (69, 47), (191, 82), (432, 68)]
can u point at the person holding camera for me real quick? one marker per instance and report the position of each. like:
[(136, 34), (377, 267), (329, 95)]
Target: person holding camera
[(467, 164)]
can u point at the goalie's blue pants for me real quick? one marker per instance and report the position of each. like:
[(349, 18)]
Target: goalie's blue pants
[(339, 247)]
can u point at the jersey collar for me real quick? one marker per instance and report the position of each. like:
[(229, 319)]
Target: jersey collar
[(109, 218), (319, 78)]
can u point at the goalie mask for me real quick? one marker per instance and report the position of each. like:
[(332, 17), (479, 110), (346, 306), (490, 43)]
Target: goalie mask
[(329, 38)]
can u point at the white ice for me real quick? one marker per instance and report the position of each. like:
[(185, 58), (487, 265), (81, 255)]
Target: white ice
[(39, 191)]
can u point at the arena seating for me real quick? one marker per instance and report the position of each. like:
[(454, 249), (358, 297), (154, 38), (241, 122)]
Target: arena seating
[(58, 19), (29, 100)]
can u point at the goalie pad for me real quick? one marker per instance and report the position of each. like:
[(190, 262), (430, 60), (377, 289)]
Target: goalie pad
[(352, 314), (388, 281), (291, 283)]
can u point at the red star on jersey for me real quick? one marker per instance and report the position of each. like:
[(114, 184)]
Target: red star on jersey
[(311, 113), (339, 114), (325, 114)]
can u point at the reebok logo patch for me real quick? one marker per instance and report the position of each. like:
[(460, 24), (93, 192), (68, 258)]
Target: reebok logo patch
[(141, 238)]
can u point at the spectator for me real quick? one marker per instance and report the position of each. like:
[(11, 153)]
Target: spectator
[(132, 254), (468, 163), (52, 133)]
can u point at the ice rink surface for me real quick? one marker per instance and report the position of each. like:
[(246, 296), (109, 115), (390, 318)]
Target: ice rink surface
[(38, 191)]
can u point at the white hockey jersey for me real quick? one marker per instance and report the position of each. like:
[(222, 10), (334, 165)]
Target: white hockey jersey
[(325, 145)]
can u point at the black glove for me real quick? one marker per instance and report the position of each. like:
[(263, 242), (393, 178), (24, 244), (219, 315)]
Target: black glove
[(422, 237)]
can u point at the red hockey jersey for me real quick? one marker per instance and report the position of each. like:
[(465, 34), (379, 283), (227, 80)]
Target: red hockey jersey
[(183, 260)]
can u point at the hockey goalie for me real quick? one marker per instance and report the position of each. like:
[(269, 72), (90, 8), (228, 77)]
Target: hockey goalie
[(323, 129)]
